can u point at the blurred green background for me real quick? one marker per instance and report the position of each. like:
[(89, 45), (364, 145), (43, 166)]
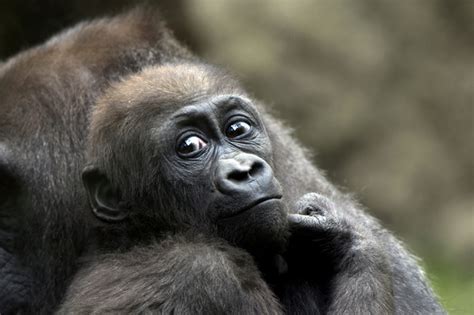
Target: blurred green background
[(381, 91)]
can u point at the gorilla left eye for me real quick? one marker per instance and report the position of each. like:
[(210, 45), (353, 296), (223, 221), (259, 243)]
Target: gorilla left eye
[(238, 129), (190, 146)]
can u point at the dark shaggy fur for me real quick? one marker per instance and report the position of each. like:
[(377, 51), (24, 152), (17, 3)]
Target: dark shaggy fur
[(189, 274)]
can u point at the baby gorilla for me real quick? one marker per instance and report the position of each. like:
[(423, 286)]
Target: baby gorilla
[(180, 158)]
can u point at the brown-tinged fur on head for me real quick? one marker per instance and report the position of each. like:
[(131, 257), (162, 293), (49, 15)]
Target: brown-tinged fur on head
[(167, 85), (123, 118)]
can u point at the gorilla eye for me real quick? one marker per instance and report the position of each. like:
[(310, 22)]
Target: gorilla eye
[(237, 129), (191, 146)]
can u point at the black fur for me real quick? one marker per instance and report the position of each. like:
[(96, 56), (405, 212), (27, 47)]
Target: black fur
[(47, 94), (187, 274)]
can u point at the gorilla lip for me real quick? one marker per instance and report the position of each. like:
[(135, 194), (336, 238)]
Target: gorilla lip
[(252, 205)]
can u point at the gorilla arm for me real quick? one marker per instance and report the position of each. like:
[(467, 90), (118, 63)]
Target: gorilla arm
[(179, 275), (409, 287), (352, 267), (359, 266)]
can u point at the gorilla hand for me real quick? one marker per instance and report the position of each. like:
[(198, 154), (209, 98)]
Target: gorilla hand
[(317, 227), (324, 243)]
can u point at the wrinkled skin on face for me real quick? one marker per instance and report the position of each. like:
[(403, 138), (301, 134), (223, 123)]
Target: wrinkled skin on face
[(219, 154)]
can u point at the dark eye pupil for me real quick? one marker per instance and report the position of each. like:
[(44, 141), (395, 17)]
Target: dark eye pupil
[(191, 145), (237, 129)]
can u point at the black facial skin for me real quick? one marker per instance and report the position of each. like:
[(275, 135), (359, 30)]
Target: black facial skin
[(233, 167)]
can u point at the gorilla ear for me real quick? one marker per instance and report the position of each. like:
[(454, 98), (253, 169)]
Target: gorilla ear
[(103, 198)]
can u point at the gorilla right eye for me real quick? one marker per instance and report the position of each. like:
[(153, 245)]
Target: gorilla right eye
[(191, 145)]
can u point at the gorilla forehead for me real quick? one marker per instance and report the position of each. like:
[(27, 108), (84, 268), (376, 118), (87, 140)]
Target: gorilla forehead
[(164, 89)]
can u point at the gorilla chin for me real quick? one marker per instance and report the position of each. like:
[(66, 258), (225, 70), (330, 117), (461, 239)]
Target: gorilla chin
[(262, 227)]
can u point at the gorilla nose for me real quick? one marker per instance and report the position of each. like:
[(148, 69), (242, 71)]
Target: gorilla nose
[(243, 173)]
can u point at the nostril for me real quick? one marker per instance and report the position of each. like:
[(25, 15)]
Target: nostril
[(246, 173), (243, 174), (256, 169), (238, 175)]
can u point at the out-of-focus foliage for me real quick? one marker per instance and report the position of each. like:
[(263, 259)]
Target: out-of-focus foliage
[(381, 91)]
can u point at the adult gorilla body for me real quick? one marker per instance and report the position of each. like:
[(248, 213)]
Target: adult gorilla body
[(47, 95)]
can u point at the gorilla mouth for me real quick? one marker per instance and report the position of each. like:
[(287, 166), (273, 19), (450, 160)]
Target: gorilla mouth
[(252, 205)]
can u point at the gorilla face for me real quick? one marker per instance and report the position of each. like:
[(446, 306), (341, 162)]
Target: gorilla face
[(188, 157), (219, 151)]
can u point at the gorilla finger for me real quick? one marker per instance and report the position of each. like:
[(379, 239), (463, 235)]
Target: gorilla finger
[(305, 224)]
